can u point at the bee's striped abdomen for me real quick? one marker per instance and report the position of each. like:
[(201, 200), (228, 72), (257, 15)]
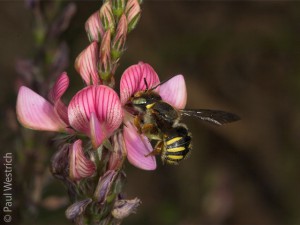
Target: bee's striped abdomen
[(177, 145)]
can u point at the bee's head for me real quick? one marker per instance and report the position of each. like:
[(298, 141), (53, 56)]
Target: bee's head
[(143, 100)]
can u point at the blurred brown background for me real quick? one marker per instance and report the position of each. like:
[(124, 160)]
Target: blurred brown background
[(242, 57)]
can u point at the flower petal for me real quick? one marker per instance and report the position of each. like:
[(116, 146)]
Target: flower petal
[(56, 92), (80, 166), (97, 134), (138, 146), (59, 88), (37, 113), (86, 64), (100, 100), (62, 110), (94, 27), (133, 81), (174, 92)]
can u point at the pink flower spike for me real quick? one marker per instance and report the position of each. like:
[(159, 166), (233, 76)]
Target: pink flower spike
[(94, 27), (132, 80), (174, 92), (97, 134), (35, 112), (56, 92), (138, 146), (86, 64), (80, 166), (101, 101)]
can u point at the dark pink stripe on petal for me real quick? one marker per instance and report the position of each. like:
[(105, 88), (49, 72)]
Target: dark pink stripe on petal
[(108, 108)]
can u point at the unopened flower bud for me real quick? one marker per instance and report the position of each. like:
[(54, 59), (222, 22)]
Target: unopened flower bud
[(86, 64), (133, 13), (59, 163), (124, 208), (104, 187), (80, 166), (105, 59), (119, 152), (107, 17), (94, 27), (120, 38), (118, 7), (76, 209)]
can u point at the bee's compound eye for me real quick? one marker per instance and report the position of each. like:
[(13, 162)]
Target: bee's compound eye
[(139, 101)]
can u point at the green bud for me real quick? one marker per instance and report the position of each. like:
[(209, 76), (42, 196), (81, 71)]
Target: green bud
[(118, 7), (132, 24)]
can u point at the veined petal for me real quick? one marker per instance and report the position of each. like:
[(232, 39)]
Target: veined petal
[(86, 64), (133, 81), (59, 88), (62, 111), (56, 92), (97, 133), (174, 92), (94, 27), (35, 112), (100, 100), (80, 166), (138, 146)]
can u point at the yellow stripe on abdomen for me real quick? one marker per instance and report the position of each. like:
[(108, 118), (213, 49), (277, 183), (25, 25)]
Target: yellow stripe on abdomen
[(175, 157), (173, 140), (178, 149)]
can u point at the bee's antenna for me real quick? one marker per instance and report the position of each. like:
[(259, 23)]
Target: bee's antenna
[(159, 84), (147, 87)]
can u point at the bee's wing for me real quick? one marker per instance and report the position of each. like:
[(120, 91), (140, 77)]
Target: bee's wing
[(212, 116)]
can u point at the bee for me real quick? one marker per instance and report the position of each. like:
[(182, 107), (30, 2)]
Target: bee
[(160, 122)]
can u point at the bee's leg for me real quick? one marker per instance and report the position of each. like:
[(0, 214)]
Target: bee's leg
[(147, 128), (137, 123), (157, 149)]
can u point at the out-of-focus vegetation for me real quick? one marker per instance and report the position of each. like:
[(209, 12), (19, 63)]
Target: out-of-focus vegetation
[(242, 57)]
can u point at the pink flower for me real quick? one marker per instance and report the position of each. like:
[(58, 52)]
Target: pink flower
[(95, 111), (35, 112), (173, 92)]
